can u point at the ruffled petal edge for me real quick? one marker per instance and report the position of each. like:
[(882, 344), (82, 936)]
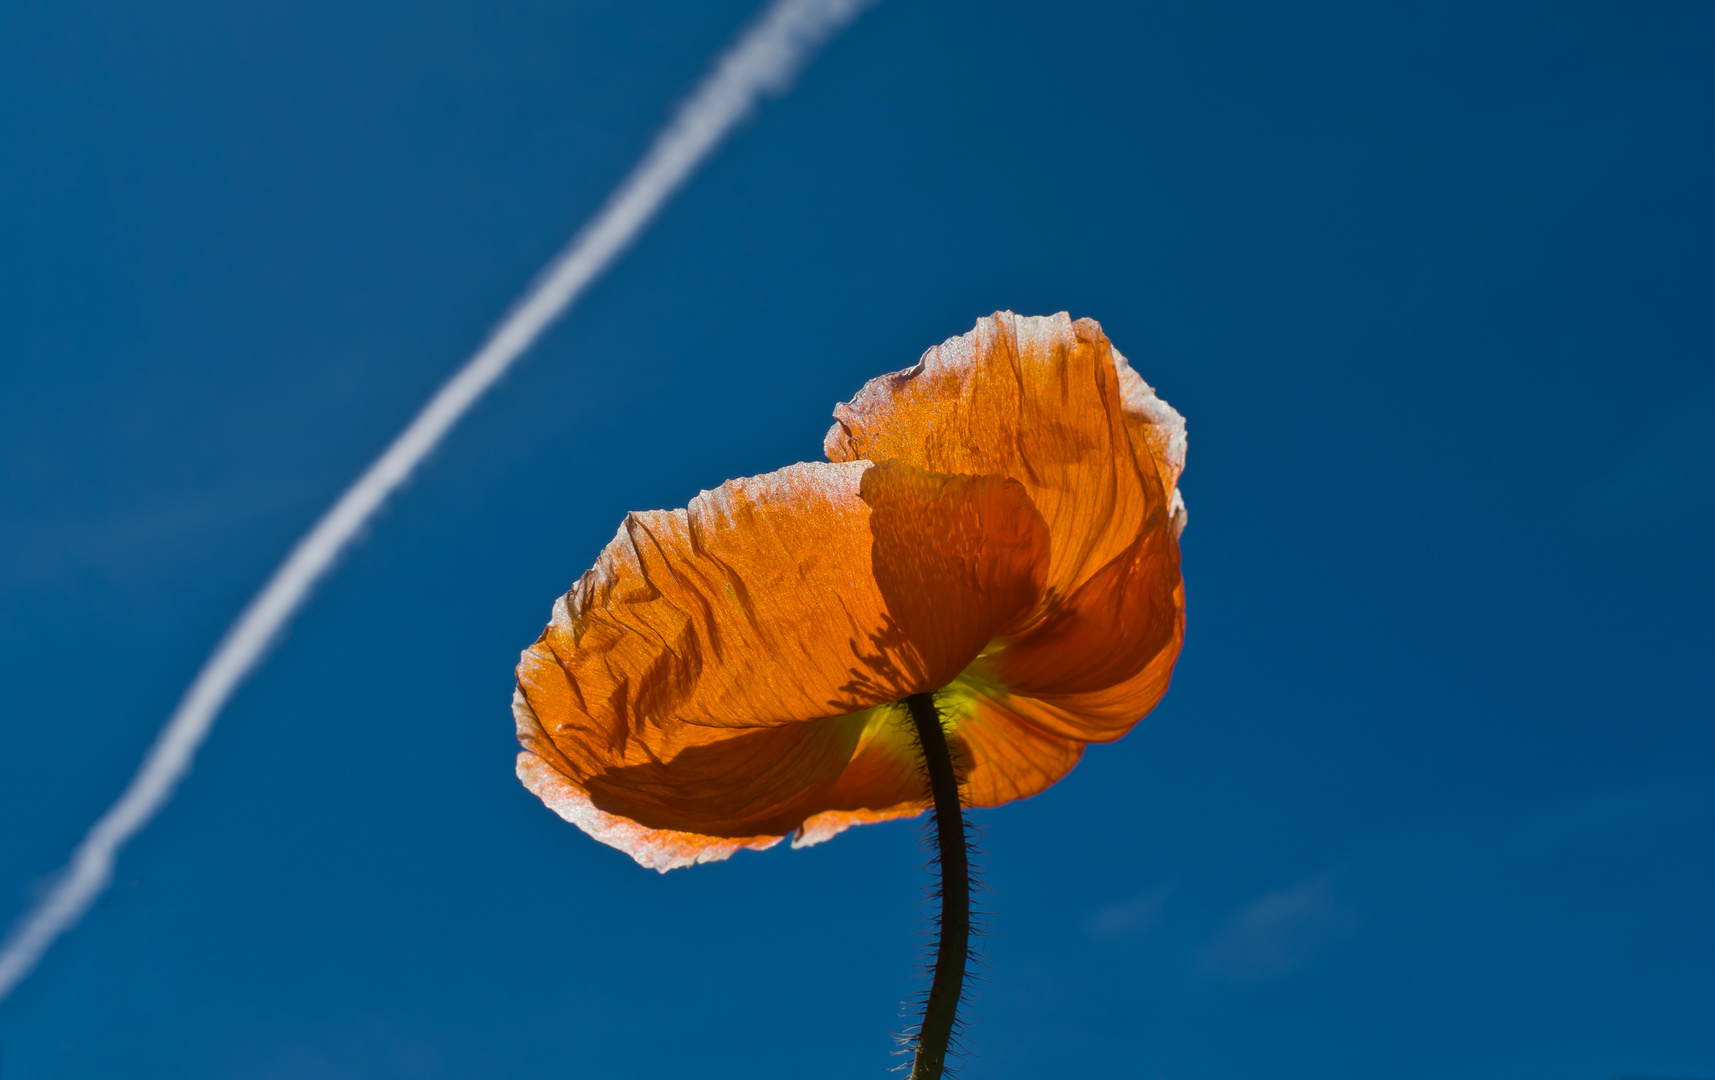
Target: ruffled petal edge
[(655, 849)]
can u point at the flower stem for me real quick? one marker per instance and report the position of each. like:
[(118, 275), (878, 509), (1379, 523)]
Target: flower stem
[(941, 1011)]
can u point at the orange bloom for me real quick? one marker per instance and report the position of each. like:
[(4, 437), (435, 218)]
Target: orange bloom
[(999, 523)]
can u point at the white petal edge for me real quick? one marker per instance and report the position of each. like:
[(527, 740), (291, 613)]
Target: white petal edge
[(1137, 399), (654, 849)]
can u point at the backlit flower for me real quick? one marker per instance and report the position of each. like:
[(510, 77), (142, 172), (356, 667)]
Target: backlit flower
[(998, 524)]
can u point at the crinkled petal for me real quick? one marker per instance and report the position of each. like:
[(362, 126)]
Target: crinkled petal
[(1157, 433), (713, 675), (1001, 754), (1045, 401), (1051, 403), (1102, 658), (883, 781), (657, 849)]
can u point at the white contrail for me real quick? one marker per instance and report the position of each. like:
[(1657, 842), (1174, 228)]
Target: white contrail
[(764, 60)]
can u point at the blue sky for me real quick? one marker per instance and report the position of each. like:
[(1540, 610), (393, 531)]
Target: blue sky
[(1433, 794)]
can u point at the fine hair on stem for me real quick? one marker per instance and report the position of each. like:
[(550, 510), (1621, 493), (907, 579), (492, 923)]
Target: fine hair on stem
[(950, 859)]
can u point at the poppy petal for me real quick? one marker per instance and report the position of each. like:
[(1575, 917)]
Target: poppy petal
[(1004, 756), (1000, 756), (714, 674), (1157, 433), (1099, 660), (1051, 402), (657, 849), (1045, 401), (884, 780)]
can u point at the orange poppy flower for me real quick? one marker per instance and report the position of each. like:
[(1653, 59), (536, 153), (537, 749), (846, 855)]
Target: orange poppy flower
[(998, 524)]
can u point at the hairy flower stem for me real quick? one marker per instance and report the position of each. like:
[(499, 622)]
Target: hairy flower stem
[(941, 1011)]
